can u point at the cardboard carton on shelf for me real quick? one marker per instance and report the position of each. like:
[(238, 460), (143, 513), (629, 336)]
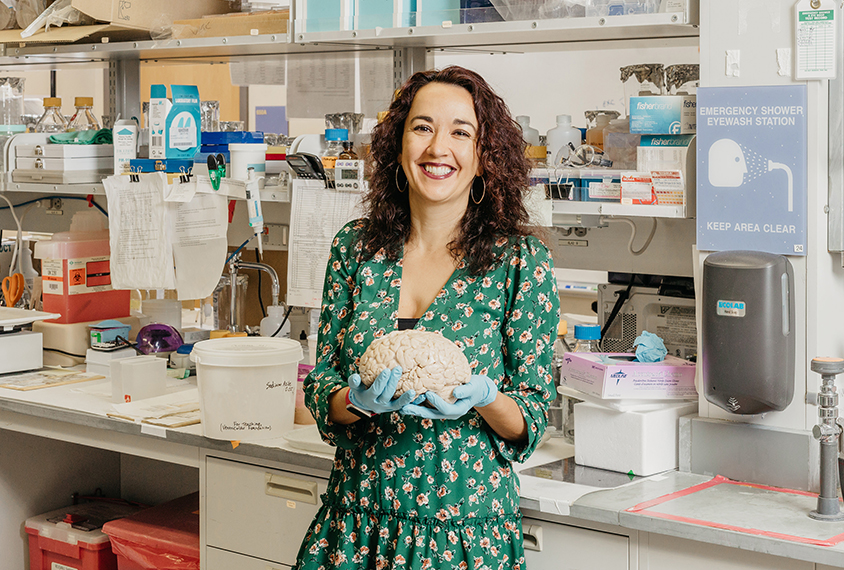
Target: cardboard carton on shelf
[(119, 19), (235, 24)]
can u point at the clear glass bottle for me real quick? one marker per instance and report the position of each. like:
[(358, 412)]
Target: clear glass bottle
[(52, 121), (555, 411), (84, 119), (587, 338), (333, 146)]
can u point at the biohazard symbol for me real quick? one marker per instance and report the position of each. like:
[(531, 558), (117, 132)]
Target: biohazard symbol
[(128, 398), (77, 276)]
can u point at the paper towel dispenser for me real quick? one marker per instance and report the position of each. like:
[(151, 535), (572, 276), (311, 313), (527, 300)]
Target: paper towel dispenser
[(747, 331)]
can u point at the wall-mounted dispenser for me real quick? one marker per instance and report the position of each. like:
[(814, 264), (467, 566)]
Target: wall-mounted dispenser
[(747, 331)]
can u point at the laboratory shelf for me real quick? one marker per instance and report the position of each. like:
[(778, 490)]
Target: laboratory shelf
[(572, 207), (200, 49), (518, 35), (58, 189), (268, 194), (521, 34)]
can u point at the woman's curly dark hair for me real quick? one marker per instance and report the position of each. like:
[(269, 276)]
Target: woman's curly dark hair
[(501, 148)]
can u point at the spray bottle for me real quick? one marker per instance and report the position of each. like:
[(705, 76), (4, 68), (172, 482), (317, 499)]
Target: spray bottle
[(253, 206)]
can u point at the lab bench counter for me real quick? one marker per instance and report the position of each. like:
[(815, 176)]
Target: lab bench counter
[(74, 414)]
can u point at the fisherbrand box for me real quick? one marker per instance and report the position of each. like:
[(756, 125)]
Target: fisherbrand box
[(663, 115), (613, 376)]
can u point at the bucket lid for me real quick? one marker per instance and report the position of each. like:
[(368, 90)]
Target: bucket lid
[(246, 351)]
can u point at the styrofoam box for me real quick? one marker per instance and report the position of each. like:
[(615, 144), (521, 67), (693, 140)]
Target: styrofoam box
[(613, 376), (642, 442)]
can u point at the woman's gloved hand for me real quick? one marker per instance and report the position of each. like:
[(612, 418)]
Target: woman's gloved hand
[(478, 392), (378, 398)]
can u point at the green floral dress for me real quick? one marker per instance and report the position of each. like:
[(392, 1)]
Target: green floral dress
[(407, 492)]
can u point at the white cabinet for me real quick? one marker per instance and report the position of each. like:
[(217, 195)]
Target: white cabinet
[(217, 559), (668, 553), (555, 546), (257, 511)]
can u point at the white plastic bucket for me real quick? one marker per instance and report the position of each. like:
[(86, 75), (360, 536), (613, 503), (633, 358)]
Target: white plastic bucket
[(247, 386), (246, 155)]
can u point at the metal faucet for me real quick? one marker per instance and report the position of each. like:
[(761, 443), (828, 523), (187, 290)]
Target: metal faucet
[(828, 432), (236, 264)]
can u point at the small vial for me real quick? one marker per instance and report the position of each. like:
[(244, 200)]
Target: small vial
[(52, 121), (348, 152)]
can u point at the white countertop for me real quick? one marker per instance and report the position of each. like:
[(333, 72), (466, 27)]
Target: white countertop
[(61, 411)]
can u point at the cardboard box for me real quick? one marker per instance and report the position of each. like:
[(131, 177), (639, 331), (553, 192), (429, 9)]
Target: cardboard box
[(663, 115), (236, 24), (120, 18), (612, 376), (662, 155)]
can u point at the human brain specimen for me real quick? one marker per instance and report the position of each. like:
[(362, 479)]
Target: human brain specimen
[(428, 360)]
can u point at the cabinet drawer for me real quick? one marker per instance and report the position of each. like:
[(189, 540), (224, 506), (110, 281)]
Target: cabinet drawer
[(553, 546), (257, 511), (217, 559)]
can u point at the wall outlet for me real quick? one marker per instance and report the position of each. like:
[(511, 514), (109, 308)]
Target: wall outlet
[(276, 236)]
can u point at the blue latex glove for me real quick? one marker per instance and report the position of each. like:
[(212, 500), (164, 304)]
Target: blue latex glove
[(649, 348), (480, 391), (378, 397)]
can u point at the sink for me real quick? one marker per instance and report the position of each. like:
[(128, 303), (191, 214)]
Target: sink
[(567, 471)]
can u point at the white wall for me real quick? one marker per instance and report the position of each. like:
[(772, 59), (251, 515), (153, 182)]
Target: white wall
[(71, 81), (757, 29), (570, 81)]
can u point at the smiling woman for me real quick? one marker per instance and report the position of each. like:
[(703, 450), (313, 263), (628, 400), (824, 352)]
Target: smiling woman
[(445, 247)]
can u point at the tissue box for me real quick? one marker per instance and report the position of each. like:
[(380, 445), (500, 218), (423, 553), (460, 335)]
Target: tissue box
[(673, 378), (642, 442), (663, 114)]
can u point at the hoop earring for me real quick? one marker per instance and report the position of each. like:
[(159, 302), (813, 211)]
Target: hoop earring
[(398, 187), (472, 191)]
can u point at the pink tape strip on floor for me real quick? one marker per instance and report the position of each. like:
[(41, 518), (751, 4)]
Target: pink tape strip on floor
[(644, 508)]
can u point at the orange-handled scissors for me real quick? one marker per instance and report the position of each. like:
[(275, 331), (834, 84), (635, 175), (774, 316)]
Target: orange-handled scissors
[(13, 287)]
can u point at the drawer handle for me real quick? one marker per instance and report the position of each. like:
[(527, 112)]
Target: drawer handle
[(38, 150), (39, 163), (290, 488), (533, 537)]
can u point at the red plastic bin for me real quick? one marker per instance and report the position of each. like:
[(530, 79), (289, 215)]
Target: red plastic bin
[(72, 537), (165, 537)]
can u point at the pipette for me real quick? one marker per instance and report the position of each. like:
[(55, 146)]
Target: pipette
[(253, 206)]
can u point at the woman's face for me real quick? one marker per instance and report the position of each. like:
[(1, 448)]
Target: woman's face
[(439, 146)]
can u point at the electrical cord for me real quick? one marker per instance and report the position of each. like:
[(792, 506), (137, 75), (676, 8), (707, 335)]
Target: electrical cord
[(647, 243), (622, 297), (260, 287), (92, 202), (235, 252), (18, 239), (284, 320)]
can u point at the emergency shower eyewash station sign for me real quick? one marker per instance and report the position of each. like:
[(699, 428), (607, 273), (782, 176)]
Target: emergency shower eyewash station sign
[(751, 156)]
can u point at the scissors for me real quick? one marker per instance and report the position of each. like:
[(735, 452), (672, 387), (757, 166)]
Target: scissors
[(13, 287), (216, 169)]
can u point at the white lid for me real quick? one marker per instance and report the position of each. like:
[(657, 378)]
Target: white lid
[(564, 119), (246, 351), (50, 525), (248, 146)]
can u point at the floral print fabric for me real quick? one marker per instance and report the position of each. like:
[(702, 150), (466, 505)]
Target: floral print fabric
[(407, 492)]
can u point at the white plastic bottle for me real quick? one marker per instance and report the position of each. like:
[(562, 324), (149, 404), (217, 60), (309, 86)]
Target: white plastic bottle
[(270, 323), (559, 137), (530, 134)]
